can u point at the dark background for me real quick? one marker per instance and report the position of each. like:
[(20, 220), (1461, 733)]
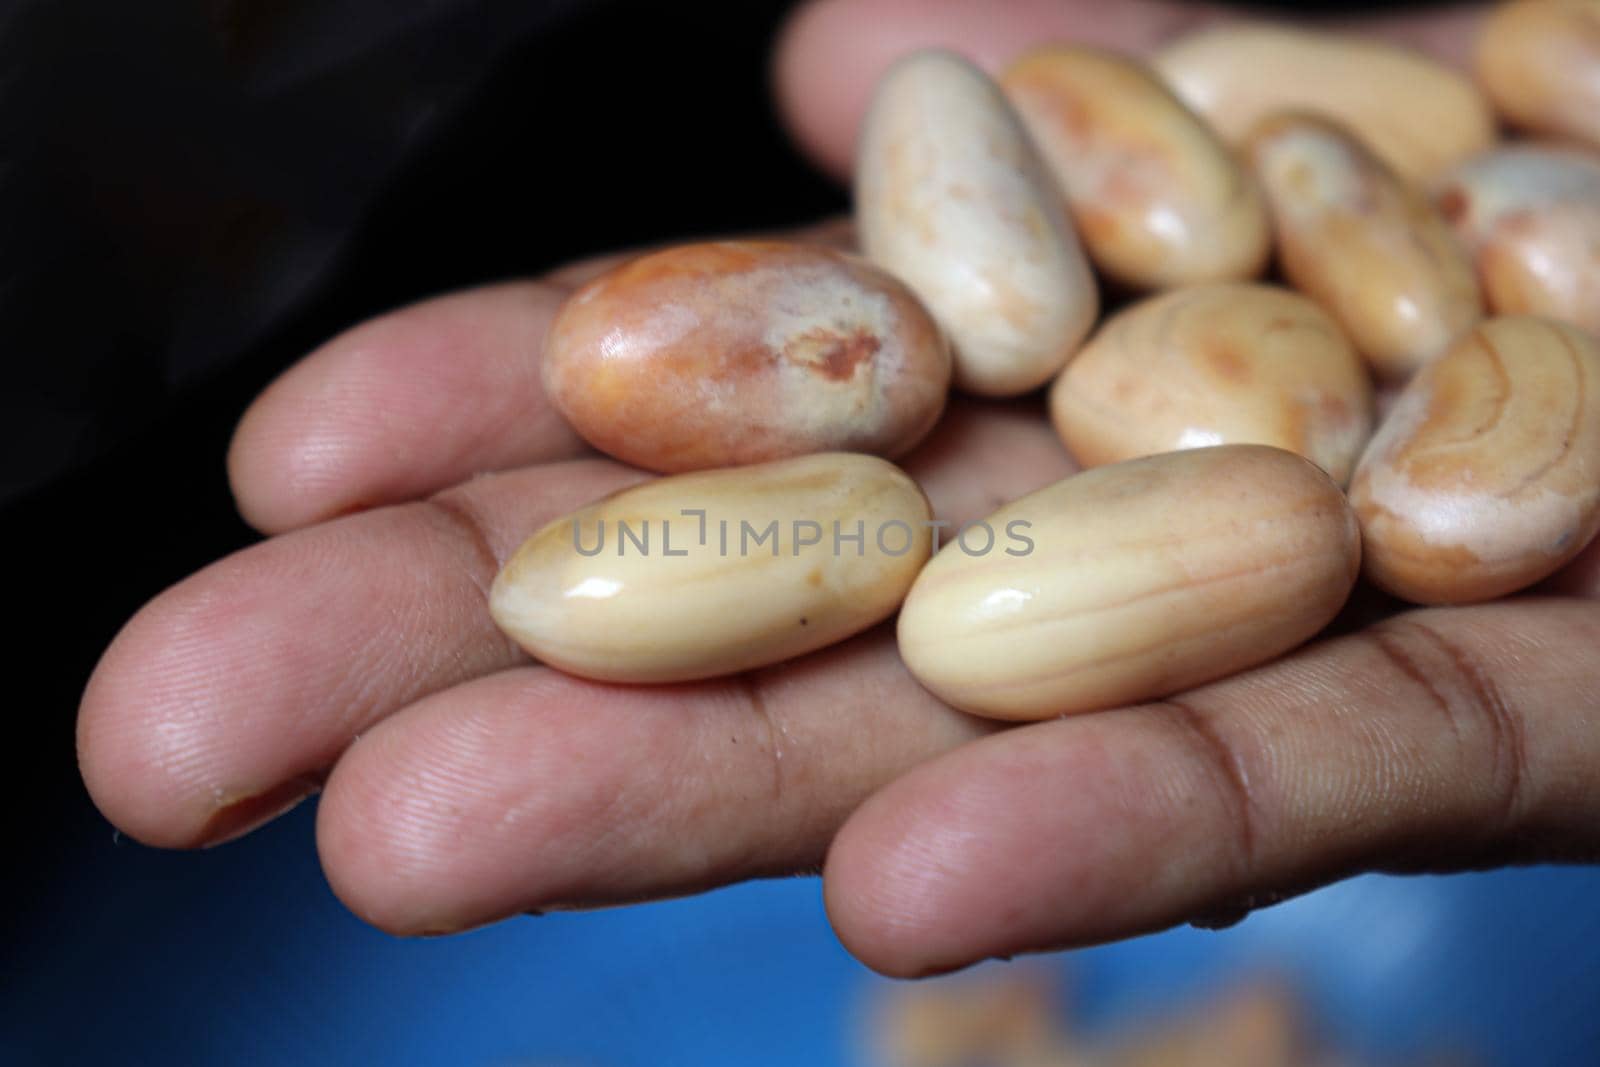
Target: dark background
[(195, 194)]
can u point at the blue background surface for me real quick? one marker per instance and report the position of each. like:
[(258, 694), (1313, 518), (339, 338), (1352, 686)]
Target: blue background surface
[(242, 956)]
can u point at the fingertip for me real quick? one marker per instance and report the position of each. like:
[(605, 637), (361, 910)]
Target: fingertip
[(319, 441), (287, 457), (476, 804), (923, 879), (370, 846), (142, 744), (831, 53), (882, 892), (221, 701), (1052, 835), (400, 407), (821, 114)]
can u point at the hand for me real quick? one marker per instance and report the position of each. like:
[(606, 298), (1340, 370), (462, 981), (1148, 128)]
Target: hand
[(353, 650)]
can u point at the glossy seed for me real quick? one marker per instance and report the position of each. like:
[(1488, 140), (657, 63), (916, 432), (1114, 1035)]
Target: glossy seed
[(715, 572), (1485, 476), (737, 352), (1420, 116), (1158, 199), (1131, 582), (1217, 364), (1363, 243), (952, 197), (1539, 61), (1530, 216)]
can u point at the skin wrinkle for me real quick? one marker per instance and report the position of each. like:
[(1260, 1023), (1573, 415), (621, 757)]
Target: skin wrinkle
[(749, 687), (1507, 741), (393, 670), (686, 830), (1225, 767), (1385, 640), (457, 511)]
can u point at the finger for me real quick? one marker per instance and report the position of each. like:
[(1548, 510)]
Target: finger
[(401, 407), (1447, 32), (531, 789), (224, 699), (413, 402), (832, 52), (1440, 739), (227, 697), (837, 233)]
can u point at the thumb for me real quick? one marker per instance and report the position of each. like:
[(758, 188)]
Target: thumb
[(831, 53)]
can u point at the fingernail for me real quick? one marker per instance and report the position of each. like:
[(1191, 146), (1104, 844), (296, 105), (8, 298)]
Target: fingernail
[(238, 816)]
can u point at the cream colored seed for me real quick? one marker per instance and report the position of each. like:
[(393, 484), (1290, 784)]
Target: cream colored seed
[(1143, 578), (1158, 199), (1530, 216), (1360, 241), (1485, 476), (952, 197), (1217, 364), (698, 575), (1420, 116), (1539, 61)]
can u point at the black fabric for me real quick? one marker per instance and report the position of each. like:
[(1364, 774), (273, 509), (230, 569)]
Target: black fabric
[(180, 179)]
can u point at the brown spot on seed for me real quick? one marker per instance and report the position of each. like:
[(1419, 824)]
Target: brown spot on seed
[(1228, 363), (1454, 203), (830, 354), (1333, 410)]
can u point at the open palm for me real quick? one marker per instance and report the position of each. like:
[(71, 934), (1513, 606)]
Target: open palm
[(353, 651)]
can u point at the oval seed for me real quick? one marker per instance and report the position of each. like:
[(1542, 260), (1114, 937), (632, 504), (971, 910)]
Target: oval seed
[(1420, 116), (1485, 476), (1530, 216), (736, 352), (952, 197), (715, 572), (1217, 364), (1134, 581), (1158, 199), (1361, 242)]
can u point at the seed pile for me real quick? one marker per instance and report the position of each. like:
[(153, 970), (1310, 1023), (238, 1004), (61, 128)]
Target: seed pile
[(1237, 481)]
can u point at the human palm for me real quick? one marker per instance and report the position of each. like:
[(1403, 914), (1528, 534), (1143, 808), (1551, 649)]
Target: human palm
[(352, 650)]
